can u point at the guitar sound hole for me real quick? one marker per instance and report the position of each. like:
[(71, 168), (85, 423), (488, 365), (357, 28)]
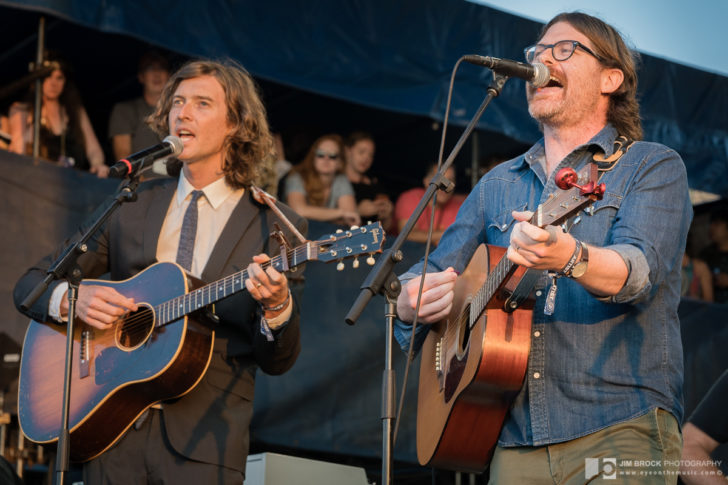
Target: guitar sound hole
[(136, 327), (464, 333)]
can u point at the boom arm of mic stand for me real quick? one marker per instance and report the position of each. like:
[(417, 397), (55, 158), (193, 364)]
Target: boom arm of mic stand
[(382, 272), (66, 261)]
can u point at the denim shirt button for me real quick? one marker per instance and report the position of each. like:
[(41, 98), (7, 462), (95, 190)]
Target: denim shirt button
[(536, 375), (536, 333), (504, 226)]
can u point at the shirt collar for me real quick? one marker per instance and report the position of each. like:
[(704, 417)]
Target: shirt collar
[(215, 193), (604, 141)]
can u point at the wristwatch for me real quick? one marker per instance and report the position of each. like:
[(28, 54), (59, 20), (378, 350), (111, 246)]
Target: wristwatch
[(580, 267)]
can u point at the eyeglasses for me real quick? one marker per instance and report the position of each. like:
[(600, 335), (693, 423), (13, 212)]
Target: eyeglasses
[(331, 156), (561, 51)]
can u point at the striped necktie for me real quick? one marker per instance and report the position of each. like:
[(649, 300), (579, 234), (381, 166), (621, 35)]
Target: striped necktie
[(189, 231)]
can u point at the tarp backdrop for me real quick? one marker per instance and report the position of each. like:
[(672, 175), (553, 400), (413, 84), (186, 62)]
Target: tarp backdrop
[(392, 56)]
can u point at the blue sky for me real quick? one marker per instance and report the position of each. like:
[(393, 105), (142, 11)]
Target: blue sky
[(694, 33)]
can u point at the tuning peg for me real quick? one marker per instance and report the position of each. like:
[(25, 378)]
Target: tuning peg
[(370, 260), (339, 231), (355, 263), (354, 227), (340, 266)]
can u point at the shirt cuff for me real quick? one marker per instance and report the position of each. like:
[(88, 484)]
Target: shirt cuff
[(276, 323), (54, 305), (638, 283)]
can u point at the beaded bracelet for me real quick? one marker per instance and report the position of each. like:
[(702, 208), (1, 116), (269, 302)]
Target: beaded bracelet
[(280, 306)]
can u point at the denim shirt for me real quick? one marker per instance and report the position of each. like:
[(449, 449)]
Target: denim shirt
[(595, 361)]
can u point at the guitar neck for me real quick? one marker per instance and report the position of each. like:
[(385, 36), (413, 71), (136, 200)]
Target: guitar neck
[(182, 305), (555, 210), (502, 271)]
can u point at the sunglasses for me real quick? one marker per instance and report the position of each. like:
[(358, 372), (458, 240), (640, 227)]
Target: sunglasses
[(330, 156)]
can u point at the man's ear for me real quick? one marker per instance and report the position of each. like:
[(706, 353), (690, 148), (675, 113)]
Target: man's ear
[(611, 80)]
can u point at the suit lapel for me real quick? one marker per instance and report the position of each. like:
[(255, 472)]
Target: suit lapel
[(154, 219), (232, 236)]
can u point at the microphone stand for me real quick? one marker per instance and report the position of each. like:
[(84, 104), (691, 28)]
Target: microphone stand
[(66, 267), (381, 279)]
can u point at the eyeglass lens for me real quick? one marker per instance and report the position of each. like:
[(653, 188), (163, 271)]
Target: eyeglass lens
[(561, 50)]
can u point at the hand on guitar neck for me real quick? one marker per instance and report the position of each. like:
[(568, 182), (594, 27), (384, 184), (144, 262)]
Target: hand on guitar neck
[(437, 297), (551, 249), (534, 247), (268, 287)]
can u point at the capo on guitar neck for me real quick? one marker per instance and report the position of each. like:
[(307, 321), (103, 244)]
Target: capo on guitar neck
[(285, 246)]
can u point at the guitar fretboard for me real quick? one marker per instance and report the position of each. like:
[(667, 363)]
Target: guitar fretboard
[(180, 306)]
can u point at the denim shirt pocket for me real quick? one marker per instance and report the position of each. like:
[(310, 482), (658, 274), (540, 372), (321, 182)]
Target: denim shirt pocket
[(603, 211), (500, 226)]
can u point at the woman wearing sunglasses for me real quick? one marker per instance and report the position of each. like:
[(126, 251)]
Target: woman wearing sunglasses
[(317, 188)]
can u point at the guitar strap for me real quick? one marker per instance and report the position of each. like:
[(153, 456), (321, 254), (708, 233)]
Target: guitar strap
[(601, 164), (263, 197)]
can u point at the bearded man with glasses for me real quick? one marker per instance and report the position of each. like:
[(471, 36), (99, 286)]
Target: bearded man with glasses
[(602, 394)]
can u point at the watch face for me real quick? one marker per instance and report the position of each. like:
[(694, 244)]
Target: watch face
[(579, 269)]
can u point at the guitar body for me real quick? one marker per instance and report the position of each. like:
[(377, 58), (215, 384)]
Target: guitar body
[(117, 373), (468, 378)]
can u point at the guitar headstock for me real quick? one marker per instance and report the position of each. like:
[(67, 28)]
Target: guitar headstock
[(350, 244), (567, 201)]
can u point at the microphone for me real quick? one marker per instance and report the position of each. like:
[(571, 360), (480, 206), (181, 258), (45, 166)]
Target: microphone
[(537, 74), (170, 146)]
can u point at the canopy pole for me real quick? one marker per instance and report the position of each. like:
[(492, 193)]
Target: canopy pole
[(38, 87)]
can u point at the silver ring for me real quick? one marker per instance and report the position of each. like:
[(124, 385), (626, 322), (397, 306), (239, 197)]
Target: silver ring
[(258, 284)]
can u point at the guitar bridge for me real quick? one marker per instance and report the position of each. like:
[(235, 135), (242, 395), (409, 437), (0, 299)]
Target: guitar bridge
[(439, 367), (84, 353)]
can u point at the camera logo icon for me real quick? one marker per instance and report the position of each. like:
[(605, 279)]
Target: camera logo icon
[(604, 467)]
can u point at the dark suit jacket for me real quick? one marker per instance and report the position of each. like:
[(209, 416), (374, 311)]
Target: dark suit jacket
[(210, 423)]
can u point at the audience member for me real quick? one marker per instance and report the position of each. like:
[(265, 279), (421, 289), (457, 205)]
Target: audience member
[(372, 201), (4, 132), (697, 280), (706, 428), (716, 254), (66, 134), (128, 130), (317, 187), (445, 210)]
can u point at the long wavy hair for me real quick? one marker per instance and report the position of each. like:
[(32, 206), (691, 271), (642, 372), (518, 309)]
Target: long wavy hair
[(250, 143), (69, 99), (311, 181), (624, 110)]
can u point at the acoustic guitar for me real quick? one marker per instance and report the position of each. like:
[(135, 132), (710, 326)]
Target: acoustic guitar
[(473, 362), (157, 353)]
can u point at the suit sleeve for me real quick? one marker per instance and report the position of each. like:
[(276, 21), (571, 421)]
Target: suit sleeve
[(277, 356)]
